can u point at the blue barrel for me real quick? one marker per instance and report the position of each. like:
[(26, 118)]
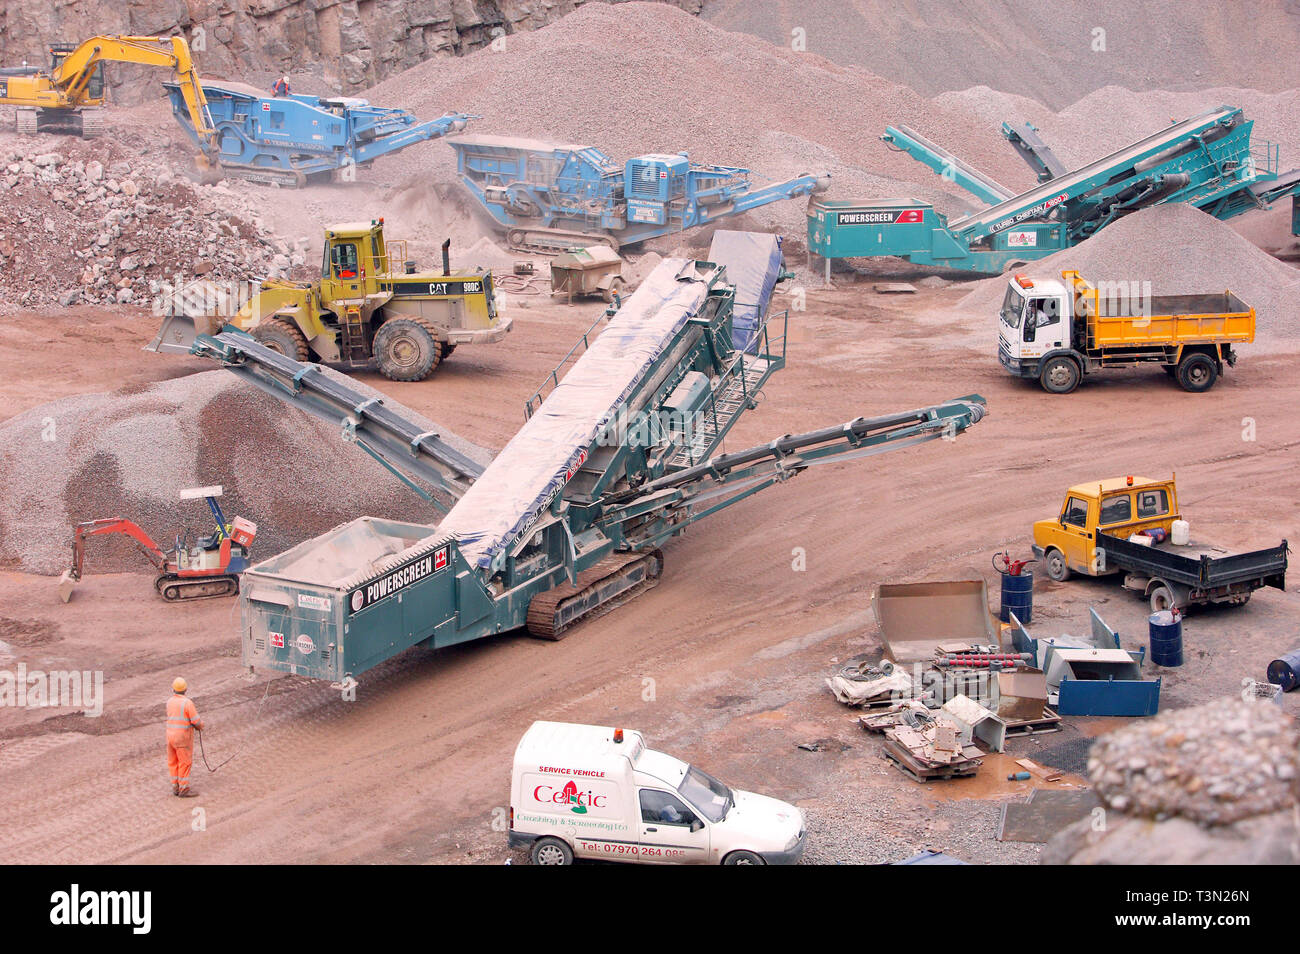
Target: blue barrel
[(1017, 596), (1285, 671), (1165, 632)]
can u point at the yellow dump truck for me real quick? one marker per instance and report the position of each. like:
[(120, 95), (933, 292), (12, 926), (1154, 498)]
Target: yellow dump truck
[(1127, 524), (1055, 332)]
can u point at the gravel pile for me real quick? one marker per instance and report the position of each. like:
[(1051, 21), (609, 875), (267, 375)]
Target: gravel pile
[(1206, 256), (1213, 764), (130, 453), (80, 224), (725, 98), (1051, 51)]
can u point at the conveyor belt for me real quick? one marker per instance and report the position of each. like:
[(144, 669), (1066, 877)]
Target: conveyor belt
[(405, 447), (508, 499), (978, 183), (1034, 151), (1064, 187), (753, 262)]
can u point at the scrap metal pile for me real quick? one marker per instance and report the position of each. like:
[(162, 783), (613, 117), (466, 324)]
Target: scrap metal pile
[(957, 688)]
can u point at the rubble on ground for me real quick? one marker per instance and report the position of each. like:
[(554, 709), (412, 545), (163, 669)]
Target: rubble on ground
[(82, 224)]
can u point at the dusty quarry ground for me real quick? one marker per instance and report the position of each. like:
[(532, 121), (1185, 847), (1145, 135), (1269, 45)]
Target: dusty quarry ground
[(736, 642)]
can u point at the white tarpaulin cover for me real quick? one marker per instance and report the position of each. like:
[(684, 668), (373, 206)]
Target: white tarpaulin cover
[(539, 460)]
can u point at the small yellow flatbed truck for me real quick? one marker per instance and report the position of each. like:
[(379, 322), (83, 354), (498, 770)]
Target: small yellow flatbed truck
[(1055, 332), (1091, 536)]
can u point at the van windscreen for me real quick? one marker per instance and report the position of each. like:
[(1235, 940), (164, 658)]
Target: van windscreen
[(706, 793)]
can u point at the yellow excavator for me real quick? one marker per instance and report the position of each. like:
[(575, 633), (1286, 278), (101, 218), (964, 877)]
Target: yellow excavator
[(66, 97)]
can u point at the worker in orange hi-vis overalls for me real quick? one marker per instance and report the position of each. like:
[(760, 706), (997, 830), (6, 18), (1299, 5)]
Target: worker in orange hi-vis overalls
[(182, 720)]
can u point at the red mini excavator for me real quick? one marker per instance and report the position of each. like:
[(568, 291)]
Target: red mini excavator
[(197, 566)]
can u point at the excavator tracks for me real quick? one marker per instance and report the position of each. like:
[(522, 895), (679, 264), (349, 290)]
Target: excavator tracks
[(92, 123), (180, 589), (278, 177), (608, 584)]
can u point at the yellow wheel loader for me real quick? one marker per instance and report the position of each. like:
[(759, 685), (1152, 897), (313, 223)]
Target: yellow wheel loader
[(369, 307)]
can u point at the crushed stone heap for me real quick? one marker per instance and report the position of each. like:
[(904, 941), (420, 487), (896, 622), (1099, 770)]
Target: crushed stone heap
[(1212, 764)]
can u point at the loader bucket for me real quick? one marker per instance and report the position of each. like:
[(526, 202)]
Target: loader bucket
[(175, 335), (67, 583)]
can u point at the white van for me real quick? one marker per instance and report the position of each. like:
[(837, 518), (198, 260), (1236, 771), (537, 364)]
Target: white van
[(586, 791)]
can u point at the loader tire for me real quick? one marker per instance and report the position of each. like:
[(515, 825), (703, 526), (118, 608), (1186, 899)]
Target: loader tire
[(1197, 372), (283, 337), (407, 349)]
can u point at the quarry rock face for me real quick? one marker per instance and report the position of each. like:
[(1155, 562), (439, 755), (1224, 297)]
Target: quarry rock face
[(348, 44)]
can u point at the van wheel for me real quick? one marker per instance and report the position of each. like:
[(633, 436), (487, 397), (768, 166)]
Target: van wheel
[(282, 337), (551, 851), (1057, 569), (1060, 375), (743, 858), (407, 349), (1197, 373), (1162, 599)]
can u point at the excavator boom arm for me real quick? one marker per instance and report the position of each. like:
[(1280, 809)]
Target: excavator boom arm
[(73, 74), (92, 528)]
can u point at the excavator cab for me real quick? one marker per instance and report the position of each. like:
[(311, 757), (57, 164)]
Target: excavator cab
[(94, 86)]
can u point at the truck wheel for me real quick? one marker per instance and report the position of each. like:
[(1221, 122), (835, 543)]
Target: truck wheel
[(447, 349), (407, 349), (282, 337), (1060, 375), (551, 851), (743, 858), (1057, 569), (1197, 373), (1162, 599)]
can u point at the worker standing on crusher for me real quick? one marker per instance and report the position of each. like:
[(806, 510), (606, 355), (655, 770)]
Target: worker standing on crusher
[(182, 720), (281, 87)]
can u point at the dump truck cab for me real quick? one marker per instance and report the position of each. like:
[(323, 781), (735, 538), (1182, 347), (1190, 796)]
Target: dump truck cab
[(1035, 321), (1119, 506)]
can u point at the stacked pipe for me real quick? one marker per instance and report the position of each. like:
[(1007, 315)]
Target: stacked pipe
[(969, 660)]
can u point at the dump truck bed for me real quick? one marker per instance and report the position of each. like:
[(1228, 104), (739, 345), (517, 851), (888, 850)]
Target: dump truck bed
[(1168, 320), (1202, 571)]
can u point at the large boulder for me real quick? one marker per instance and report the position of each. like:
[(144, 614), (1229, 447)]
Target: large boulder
[(1213, 784)]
